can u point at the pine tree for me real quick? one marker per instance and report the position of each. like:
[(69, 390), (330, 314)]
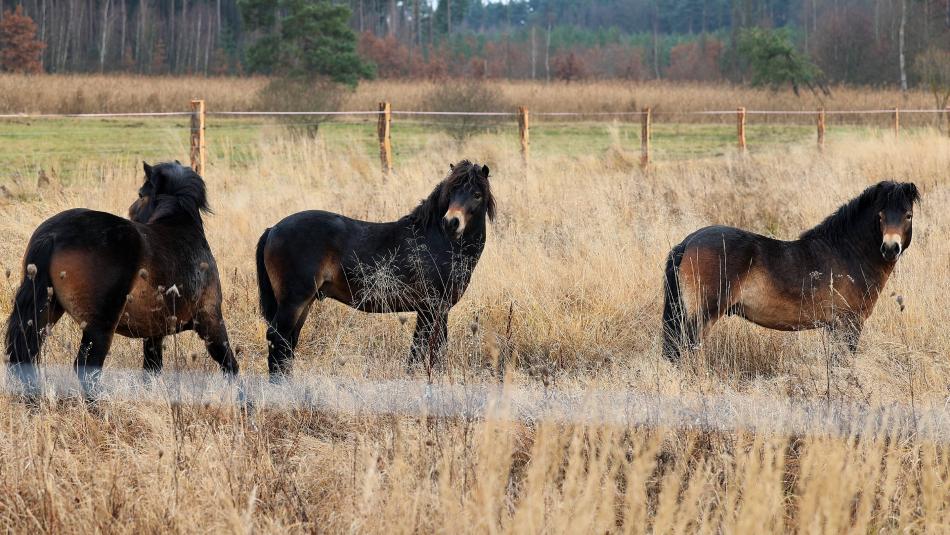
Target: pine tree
[(311, 40), (20, 50)]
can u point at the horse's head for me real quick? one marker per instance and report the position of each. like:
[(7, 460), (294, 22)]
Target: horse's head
[(466, 198), (895, 203), (170, 189)]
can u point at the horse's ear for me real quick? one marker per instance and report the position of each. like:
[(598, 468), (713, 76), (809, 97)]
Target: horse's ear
[(911, 191), (176, 161), (484, 171), (451, 167), (147, 168)]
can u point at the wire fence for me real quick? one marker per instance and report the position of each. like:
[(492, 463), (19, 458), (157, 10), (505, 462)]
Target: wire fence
[(384, 116)]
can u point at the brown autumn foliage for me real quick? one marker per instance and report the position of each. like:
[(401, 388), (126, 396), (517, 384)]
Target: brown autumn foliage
[(20, 50), (696, 61), (569, 67)]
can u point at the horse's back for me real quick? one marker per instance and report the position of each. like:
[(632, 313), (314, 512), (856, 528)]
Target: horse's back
[(90, 229)]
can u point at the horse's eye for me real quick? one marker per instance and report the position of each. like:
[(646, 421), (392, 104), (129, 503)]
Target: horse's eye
[(477, 196), (910, 216)]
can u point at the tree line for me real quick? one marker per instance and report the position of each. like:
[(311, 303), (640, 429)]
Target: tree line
[(849, 41)]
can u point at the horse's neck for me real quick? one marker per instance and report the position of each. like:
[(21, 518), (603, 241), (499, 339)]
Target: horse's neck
[(864, 265)]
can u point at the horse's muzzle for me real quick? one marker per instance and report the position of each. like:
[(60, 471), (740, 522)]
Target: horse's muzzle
[(452, 226), (891, 251)]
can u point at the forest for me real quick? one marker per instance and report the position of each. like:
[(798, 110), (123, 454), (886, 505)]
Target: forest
[(867, 42)]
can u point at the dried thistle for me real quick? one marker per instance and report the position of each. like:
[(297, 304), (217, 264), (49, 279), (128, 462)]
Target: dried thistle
[(49, 292), (203, 266), (31, 271), (143, 273), (173, 290), (62, 274)]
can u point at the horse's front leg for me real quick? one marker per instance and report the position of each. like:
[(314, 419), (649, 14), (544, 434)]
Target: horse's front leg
[(152, 355), (846, 329), (212, 331), (428, 339)]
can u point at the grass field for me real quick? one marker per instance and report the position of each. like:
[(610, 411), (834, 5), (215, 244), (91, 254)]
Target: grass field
[(576, 255)]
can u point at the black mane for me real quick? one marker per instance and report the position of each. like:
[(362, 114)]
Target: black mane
[(178, 191), (859, 214), (434, 206)]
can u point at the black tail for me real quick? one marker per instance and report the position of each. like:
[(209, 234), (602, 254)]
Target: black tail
[(674, 315), (264, 288), (33, 307)]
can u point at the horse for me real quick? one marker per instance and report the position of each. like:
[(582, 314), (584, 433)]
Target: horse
[(148, 276), (421, 263), (830, 277)]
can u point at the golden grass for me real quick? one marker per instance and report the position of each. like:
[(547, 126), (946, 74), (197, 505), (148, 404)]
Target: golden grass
[(577, 254), (125, 93)]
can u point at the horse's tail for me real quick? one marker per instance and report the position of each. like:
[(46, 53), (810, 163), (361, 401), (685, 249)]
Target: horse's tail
[(31, 304), (674, 313), (264, 288)]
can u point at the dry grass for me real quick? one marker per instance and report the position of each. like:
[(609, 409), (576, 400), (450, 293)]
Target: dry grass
[(576, 253), (118, 93)]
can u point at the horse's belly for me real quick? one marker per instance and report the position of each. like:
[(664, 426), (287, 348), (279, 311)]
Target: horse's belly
[(764, 303), (148, 312)]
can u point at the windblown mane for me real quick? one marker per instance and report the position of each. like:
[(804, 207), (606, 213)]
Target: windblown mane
[(857, 215), (434, 206), (180, 191)]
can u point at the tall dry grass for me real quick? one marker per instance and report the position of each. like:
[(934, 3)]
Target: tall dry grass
[(576, 256), (126, 93)]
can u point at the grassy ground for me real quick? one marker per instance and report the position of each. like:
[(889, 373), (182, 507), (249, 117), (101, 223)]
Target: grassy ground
[(576, 255), (66, 145)]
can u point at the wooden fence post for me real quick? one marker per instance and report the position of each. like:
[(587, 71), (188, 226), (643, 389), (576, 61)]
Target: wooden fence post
[(740, 113), (897, 121), (646, 119), (385, 143), (523, 128), (821, 128), (198, 136)]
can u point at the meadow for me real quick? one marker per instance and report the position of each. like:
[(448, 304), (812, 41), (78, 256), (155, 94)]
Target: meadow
[(568, 292)]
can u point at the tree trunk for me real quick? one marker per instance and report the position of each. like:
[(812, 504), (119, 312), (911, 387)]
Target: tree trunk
[(534, 54), (547, 56), (656, 31), (901, 45)]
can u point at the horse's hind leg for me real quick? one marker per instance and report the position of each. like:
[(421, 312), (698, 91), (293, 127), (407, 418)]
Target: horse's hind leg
[(283, 334), (25, 337), (95, 344), (152, 351)]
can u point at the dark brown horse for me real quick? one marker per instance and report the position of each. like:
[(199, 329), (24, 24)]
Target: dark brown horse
[(421, 263), (830, 277), (145, 278)]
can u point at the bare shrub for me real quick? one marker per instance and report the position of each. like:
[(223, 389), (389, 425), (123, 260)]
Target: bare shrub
[(471, 97)]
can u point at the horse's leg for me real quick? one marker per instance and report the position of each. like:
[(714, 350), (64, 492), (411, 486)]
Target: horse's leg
[(428, 339), (424, 321), (152, 351), (282, 336), (95, 344), (25, 337), (215, 336), (846, 329)]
